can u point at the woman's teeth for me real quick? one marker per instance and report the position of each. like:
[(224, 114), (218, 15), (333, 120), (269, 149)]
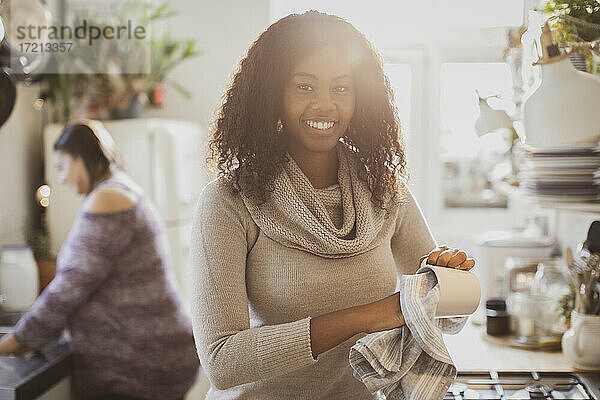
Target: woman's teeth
[(320, 125)]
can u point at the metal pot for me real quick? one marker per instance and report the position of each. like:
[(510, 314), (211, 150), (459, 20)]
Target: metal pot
[(8, 94), (16, 65), (25, 65), (8, 91)]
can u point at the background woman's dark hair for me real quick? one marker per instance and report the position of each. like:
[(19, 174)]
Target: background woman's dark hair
[(244, 145), (80, 140)]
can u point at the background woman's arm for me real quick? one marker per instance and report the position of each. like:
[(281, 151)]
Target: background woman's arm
[(85, 262)]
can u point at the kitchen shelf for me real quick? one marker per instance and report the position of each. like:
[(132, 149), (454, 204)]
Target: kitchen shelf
[(580, 207), (573, 207)]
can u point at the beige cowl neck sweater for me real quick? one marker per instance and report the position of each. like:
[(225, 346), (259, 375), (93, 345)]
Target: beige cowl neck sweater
[(296, 216), (260, 273)]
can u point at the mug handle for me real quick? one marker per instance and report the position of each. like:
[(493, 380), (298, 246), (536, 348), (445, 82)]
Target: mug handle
[(578, 328)]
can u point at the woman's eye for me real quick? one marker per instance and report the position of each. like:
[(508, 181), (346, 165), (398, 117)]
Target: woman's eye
[(304, 87), (341, 89)]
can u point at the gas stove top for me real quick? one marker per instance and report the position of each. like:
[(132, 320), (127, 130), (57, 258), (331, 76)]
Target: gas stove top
[(524, 385)]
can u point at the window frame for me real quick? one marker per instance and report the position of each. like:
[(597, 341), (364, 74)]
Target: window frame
[(424, 144)]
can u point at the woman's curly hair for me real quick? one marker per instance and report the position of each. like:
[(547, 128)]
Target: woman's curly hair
[(245, 146)]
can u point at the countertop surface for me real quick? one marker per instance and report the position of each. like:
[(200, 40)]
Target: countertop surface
[(25, 377), (471, 352)]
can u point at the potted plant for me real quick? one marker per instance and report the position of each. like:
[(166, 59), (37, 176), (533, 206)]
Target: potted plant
[(39, 241), (566, 305), (79, 90), (577, 22)]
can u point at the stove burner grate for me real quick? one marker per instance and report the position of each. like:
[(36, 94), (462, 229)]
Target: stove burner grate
[(517, 385), (538, 391)]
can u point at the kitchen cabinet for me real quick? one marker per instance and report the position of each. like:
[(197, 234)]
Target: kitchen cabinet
[(60, 391), (44, 376)]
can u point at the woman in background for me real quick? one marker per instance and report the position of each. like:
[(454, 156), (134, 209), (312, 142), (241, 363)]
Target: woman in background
[(114, 289)]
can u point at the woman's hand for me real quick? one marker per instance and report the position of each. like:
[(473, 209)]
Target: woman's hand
[(8, 344), (445, 256)]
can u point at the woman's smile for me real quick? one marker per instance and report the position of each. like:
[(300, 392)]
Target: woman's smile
[(320, 127)]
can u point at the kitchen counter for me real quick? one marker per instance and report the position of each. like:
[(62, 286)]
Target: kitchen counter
[(26, 377), (471, 352)]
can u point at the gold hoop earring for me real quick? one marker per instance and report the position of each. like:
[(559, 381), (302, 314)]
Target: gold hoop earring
[(279, 126)]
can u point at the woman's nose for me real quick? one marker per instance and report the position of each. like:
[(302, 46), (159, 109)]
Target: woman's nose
[(323, 102)]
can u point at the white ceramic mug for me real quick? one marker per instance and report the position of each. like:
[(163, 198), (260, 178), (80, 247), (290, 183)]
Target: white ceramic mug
[(460, 290), (580, 342)]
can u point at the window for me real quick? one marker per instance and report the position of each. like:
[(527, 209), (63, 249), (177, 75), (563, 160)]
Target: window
[(472, 164), (400, 80)]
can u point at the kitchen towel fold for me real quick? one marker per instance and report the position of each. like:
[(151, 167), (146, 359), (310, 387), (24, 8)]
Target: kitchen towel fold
[(409, 362)]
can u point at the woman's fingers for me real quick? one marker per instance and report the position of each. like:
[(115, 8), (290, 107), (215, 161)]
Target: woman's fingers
[(445, 256), (433, 255), (458, 258), (467, 264)]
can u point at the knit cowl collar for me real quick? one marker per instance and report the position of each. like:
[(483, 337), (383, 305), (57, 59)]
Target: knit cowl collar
[(295, 216)]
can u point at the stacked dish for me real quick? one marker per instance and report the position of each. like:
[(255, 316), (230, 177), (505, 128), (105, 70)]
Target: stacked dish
[(569, 173)]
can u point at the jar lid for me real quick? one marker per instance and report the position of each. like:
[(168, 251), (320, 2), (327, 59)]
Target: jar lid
[(495, 304), (496, 314)]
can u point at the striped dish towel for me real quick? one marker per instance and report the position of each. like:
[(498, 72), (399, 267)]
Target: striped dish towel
[(409, 362)]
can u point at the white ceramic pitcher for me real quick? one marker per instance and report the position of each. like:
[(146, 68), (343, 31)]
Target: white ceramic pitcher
[(19, 278), (581, 343)]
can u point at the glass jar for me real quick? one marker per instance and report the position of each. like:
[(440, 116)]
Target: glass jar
[(551, 281), (531, 314)]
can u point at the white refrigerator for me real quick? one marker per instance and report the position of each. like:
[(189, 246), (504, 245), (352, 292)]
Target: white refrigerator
[(166, 158)]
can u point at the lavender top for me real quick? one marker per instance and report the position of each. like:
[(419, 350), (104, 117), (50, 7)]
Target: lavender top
[(116, 294)]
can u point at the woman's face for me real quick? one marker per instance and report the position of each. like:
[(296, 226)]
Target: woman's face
[(318, 102), (72, 171)]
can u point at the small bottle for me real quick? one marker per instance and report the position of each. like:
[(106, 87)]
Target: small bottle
[(497, 319)]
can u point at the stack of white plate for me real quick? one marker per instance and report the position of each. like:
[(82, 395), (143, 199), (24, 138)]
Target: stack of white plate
[(569, 173)]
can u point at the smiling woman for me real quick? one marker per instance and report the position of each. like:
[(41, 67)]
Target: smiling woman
[(317, 68), (297, 245)]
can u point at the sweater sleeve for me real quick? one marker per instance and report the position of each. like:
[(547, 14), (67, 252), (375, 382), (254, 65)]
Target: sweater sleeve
[(231, 352), (84, 262), (412, 240)]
